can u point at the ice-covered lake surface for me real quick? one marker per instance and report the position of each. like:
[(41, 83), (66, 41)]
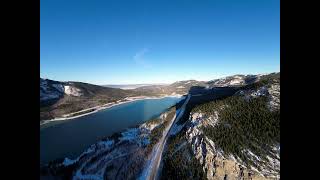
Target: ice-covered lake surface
[(69, 138)]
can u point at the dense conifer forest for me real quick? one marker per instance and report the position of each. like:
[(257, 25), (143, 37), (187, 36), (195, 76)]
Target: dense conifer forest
[(243, 124), (180, 164)]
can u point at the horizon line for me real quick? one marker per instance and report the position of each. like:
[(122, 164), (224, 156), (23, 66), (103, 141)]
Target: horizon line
[(160, 83)]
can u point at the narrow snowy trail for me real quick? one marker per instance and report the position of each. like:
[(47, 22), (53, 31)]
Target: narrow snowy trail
[(152, 169)]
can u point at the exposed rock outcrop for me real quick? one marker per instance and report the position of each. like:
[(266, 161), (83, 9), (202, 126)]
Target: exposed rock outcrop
[(216, 164)]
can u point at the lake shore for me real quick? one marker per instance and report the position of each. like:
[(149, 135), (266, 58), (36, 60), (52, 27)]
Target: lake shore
[(95, 109), (130, 142)]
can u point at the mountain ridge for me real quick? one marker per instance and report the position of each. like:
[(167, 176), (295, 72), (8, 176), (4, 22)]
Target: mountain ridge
[(58, 98)]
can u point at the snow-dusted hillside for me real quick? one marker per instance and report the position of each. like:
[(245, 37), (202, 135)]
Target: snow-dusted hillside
[(217, 164), (179, 87), (60, 98), (50, 90), (123, 155), (236, 80), (72, 91), (196, 145)]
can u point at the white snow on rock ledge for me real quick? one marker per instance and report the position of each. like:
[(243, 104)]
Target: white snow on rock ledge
[(68, 161), (72, 91)]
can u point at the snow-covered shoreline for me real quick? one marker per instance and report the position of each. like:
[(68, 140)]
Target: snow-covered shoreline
[(105, 106), (120, 149)]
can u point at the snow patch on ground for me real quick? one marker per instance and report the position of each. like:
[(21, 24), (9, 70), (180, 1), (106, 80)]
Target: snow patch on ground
[(236, 81), (105, 144), (150, 127), (68, 162), (274, 91), (50, 91), (230, 81), (94, 161), (209, 155), (263, 91), (72, 91), (269, 168), (254, 157), (130, 134)]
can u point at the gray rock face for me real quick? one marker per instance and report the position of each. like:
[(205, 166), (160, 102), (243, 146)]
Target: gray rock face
[(50, 90), (217, 164)]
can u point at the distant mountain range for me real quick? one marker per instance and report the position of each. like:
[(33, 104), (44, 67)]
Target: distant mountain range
[(59, 98), (129, 86)]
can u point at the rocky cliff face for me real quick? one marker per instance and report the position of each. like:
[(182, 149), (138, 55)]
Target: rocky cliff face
[(216, 164), (193, 140), (50, 90)]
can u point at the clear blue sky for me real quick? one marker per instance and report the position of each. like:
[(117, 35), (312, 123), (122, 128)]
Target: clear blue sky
[(157, 41)]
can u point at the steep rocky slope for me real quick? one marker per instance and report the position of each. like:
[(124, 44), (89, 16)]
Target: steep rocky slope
[(50, 91), (234, 138)]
